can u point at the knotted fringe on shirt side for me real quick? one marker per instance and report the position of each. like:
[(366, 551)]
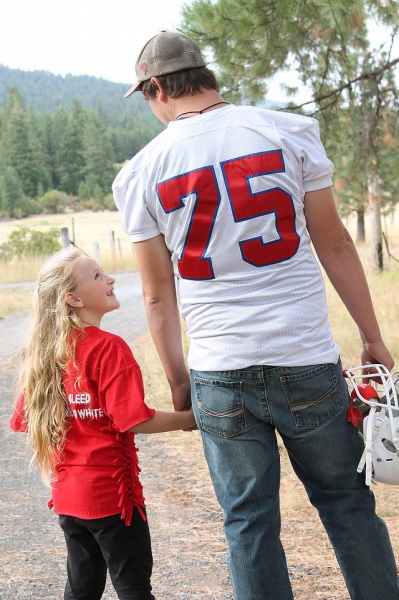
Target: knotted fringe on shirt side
[(130, 489)]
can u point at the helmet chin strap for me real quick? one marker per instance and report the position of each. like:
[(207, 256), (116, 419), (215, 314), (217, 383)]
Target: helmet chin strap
[(372, 427)]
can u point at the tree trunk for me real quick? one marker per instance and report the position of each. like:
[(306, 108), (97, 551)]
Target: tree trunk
[(376, 233), (361, 229)]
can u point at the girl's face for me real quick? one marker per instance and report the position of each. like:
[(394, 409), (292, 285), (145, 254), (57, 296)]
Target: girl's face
[(94, 293)]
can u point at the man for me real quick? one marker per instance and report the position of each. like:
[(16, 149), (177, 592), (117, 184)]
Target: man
[(226, 202)]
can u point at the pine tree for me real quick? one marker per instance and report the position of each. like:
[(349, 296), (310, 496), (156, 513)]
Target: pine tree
[(71, 153), (41, 151), (17, 147), (59, 124), (98, 153), (13, 202)]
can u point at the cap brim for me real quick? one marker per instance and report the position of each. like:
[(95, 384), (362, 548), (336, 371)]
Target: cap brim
[(135, 88)]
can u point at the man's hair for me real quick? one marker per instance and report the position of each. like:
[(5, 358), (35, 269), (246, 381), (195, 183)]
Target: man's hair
[(182, 83)]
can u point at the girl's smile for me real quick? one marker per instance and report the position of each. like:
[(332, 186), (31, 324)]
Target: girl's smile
[(94, 294)]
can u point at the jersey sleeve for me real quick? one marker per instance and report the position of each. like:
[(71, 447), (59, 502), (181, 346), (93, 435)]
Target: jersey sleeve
[(17, 422), (305, 144), (132, 192)]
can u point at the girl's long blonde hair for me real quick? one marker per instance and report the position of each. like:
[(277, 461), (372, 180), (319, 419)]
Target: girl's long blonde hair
[(50, 348)]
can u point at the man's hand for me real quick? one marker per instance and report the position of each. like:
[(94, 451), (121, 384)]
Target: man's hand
[(375, 353), (181, 396)]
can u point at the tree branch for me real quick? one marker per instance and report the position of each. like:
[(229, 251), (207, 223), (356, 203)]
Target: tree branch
[(337, 91)]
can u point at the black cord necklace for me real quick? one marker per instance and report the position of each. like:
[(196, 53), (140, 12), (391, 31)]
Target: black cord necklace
[(199, 112)]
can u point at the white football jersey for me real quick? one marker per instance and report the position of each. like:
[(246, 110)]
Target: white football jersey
[(226, 190)]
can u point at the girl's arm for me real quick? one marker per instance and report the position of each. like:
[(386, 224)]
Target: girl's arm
[(166, 421)]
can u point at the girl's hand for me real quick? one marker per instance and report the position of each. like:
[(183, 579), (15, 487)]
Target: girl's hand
[(192, 426)]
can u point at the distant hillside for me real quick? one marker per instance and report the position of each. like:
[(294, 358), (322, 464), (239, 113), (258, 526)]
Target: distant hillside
[(46, 92)]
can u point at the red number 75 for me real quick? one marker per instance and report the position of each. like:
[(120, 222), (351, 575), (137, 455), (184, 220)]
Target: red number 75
[(237, 173)]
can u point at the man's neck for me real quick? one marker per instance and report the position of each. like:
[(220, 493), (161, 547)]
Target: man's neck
[(199, 103)]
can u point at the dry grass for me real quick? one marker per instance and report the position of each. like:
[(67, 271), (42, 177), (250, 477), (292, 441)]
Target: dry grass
[(15, 300), (89, 227), (384, 289), (90, 231)]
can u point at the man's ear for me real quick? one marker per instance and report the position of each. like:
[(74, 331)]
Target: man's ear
[(73, 300), (155, 81)]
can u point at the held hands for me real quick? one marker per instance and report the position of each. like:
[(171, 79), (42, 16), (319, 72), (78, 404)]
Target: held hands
[(181, 397), (189, 419)]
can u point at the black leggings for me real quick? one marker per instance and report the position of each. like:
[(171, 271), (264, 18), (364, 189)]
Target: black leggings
[(95, 544)]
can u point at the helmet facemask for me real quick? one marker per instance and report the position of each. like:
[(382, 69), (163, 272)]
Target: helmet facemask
[(374, 411)]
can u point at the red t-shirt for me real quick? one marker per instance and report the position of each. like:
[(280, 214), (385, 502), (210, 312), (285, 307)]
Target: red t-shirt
[(98, 472)]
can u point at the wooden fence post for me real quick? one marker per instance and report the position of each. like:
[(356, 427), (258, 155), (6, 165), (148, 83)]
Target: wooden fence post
[(96, 250), (65, 241), (113, 253)]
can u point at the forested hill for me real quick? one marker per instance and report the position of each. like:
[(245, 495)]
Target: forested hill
[(63, 140), (45, 92)]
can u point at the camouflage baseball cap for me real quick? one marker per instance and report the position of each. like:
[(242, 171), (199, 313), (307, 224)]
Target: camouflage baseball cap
[(165, 53)]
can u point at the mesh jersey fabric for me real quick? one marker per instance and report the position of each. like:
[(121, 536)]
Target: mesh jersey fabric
[(98, 473), (226, 190)]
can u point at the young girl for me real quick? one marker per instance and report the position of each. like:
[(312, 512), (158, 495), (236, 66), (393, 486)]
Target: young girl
[(81, 402)]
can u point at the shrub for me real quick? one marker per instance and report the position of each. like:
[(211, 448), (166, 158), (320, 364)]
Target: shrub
[(30, 242), (53, 202), (109, 202)]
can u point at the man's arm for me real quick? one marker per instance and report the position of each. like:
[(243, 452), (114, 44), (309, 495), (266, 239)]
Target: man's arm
[(340, 260), (163, 315)]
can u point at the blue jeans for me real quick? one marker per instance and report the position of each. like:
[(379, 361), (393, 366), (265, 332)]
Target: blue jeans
[(238, 413)]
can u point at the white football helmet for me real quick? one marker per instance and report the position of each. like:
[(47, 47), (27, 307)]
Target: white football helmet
[(375, 411)]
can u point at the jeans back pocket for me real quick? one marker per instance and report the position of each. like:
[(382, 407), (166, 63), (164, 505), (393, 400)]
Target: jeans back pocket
[(220, 406), (313, 395)]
